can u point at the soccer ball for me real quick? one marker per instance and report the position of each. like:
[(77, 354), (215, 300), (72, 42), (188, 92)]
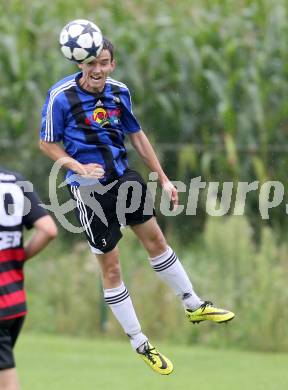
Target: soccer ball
[(81, 41)]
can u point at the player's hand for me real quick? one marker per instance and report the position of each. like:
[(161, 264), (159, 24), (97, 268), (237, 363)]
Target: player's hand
[(91, 170), (172, 192)]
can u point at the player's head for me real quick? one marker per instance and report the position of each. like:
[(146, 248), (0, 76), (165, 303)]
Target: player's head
[(95, 73), (107, 45)]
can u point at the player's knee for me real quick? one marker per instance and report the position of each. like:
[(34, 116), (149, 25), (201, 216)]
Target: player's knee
[(8, 379)]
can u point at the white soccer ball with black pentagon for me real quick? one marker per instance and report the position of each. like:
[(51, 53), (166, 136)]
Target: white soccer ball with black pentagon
[(81, 41)]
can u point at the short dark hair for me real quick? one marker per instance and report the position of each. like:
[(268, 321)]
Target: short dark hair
[(108, 45)]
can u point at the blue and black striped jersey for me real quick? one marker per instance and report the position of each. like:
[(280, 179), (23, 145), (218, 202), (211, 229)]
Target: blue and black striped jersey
[(92, 126)]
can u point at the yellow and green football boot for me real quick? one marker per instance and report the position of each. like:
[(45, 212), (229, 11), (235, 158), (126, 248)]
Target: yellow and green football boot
[(208, 312), (158, 362)]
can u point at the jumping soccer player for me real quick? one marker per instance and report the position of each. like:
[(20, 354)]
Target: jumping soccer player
[(91, 114), (19, 207)]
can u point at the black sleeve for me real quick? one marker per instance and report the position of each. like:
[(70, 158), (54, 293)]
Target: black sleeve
[(36, 210), (32, 203)]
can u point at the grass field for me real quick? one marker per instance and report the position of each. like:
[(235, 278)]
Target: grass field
[(60, 363)]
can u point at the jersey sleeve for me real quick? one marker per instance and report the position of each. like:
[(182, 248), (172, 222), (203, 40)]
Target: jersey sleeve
[(32, 203), (128, 119), (52, 124), (36, 210)]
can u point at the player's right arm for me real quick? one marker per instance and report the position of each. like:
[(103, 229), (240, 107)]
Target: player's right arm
[(57, 153), (51, 134)]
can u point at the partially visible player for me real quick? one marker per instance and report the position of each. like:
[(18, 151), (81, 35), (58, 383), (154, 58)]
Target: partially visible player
[(91, 113), (19, 208)]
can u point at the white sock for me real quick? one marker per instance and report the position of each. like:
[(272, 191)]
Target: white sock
[(169, 269), (121, 305)]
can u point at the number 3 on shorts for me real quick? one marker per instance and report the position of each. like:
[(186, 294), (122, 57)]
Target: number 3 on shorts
[(104, 243)]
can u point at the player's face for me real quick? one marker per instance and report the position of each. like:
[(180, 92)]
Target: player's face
[(95, 73)]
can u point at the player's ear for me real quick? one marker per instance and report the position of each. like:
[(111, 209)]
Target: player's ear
[(113, 65), (80, 66)]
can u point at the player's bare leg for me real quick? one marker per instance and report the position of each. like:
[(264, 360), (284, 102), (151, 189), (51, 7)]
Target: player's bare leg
[(165, 262), (9, 379), (117, 297), (167, 265), (110, 268), (151, 236)]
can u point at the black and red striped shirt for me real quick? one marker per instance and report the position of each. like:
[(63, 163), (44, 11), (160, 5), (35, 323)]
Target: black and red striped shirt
[(20, 207)]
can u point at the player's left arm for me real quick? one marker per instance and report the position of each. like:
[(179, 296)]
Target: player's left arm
[(36, 217), (142, 145), (45, 230)]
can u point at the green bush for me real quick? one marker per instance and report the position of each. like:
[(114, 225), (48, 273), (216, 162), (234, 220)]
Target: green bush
[(210, 74)]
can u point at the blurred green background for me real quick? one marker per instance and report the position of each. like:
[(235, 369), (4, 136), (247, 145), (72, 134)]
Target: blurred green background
[(209, 82)]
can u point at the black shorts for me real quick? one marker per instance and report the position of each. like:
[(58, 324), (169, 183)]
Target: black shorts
[(102, 210), (9, 331)]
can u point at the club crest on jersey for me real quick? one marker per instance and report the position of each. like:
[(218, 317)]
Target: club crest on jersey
[(100, 116), (104, 117)]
